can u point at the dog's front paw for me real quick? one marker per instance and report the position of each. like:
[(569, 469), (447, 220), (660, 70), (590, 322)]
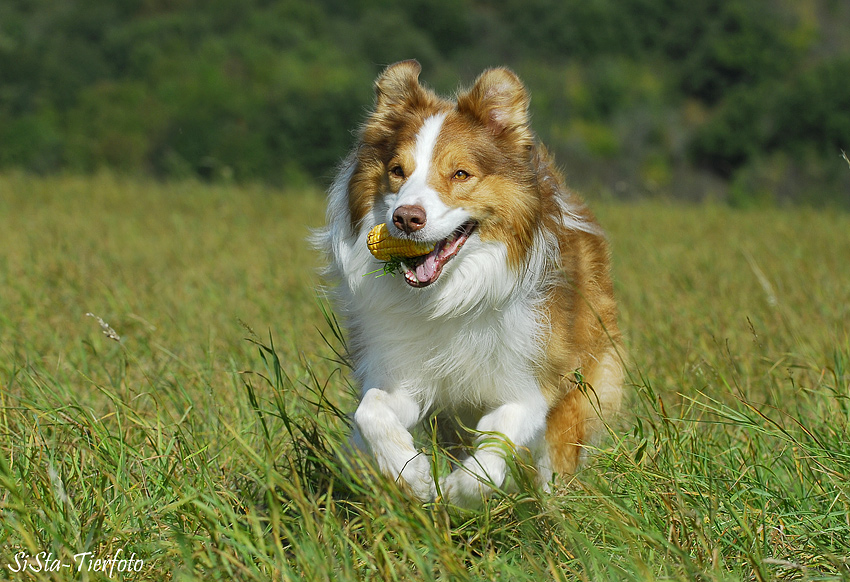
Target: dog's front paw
[(416, 477), (463, 489), (469, 485)]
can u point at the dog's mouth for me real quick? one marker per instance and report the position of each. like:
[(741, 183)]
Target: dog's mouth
[(424, 270)]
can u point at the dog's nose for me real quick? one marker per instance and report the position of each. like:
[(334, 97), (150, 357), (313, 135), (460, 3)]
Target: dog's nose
[(409, 218)]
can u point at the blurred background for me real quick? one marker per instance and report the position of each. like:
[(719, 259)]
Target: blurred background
[(746, 101)]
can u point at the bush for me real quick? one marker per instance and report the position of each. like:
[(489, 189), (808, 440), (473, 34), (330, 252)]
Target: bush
[(781, 178), (808, 120), (814, 112), (739, 129), (31, 141)]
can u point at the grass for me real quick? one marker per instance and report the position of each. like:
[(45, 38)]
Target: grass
[(207, 439)]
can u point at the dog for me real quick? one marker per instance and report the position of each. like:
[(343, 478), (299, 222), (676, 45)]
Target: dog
[(506, 332)]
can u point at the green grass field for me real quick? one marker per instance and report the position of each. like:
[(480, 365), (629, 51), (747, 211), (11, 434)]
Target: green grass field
[(204, 440)]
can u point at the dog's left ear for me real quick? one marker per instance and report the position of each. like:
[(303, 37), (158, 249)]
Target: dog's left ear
[(499, 100)]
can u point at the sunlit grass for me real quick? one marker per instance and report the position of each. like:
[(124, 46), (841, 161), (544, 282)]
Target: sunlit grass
[(209, 438)]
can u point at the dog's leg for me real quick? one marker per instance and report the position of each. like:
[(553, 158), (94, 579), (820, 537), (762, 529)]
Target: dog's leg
[(579, 416), (504, 431), (383, 421)]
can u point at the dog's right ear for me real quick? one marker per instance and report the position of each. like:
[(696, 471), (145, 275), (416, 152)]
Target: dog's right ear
[(398, 84), (500, 101)]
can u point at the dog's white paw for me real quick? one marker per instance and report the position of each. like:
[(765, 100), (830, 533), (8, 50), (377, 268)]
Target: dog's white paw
[(416, 475), (469, 485), (461, 488)]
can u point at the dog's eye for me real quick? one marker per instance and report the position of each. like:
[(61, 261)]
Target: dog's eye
[(461, 176), (397, 172)]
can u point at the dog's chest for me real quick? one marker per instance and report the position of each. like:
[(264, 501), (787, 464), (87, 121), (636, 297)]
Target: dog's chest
[(484, 358)]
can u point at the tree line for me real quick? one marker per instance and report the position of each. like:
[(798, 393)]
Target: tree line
[(746, 100)]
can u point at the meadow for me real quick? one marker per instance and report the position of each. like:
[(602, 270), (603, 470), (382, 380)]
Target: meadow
[(199, 425)]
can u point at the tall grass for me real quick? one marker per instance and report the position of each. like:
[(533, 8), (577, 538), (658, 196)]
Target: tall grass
[(209, 439)]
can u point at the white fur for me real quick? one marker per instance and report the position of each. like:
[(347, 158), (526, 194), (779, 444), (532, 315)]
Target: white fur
[(470, 340)]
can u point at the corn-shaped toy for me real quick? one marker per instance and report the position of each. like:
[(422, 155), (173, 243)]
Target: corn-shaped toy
[(384, 247)]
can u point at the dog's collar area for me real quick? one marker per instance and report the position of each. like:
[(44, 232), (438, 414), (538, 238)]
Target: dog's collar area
[(424, 270)]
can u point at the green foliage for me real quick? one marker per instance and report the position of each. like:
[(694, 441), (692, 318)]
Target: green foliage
[(710, 45), (736, 44), (738, 132), (30, 141), (802, 126), (271, 91), (815, 110)]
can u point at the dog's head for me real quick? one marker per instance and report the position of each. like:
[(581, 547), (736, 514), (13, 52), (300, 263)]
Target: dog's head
[(445, 171)]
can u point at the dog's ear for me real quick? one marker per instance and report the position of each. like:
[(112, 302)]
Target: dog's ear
[(399, 84), (498, 99)]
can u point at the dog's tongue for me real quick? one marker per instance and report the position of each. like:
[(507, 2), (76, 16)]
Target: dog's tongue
[(426, 270)]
